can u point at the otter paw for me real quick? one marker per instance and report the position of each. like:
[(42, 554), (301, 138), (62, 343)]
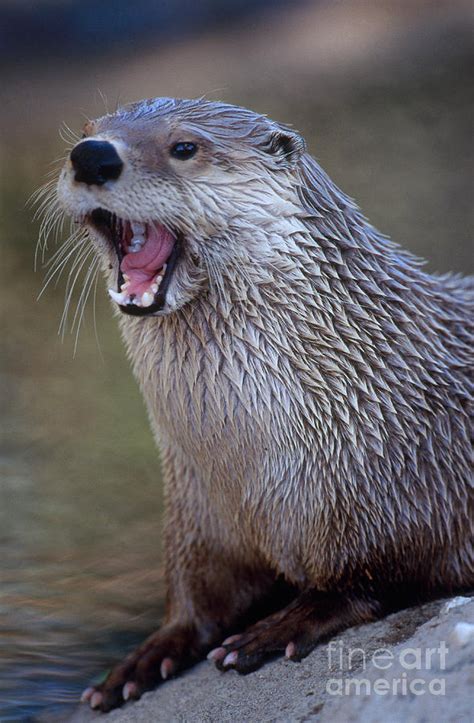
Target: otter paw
[(160, 656), (248, 651), (295, 630)]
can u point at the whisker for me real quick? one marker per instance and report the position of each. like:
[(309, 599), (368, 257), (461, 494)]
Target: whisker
[(77, 266), (104, 100), (74, 253), (68, 135), (40, 192), (94, 312), (83, 295), (51, 226), (81, 304), (59, 261), (60, 250)]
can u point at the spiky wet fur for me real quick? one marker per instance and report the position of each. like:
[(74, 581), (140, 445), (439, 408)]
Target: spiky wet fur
[(320, 420), (310, 386)]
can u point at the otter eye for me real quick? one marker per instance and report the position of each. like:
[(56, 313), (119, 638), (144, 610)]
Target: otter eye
[(183, 150)]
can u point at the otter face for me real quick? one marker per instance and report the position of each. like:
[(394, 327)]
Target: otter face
[(166, 187)]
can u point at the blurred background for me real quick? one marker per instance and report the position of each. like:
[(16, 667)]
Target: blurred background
[(381, 91)]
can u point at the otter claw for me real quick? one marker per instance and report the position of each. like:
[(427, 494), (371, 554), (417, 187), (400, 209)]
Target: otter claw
[(290, 650), (232, 639), (166, 668), (217, 654), (130, 690), (87, 695), (230, 659), (96, 699)]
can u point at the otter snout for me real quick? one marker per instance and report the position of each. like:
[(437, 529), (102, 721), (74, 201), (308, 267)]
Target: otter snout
[(95, 162)]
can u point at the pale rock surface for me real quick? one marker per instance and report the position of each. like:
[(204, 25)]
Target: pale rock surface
[(283, 691)]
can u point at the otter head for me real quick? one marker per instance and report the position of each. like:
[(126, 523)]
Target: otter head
[(178, 194)]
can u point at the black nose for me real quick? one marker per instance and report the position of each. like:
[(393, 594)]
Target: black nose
[(96, 162)]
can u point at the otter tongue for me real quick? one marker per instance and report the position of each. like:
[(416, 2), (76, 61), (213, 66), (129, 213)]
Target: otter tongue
[(142, 266)]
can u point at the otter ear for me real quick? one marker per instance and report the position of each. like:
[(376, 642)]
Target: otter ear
[(286, 145)]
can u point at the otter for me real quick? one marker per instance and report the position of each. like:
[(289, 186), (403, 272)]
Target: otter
[(309, 385)]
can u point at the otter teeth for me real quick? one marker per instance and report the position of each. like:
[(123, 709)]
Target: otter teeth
[(147, 297), (138, 237), (137, 244), (119, 298), (138, 228)]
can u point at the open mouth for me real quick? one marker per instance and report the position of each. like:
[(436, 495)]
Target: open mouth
[(147, 255)]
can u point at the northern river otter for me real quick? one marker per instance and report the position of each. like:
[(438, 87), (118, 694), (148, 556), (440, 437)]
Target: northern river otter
[(308, 383)]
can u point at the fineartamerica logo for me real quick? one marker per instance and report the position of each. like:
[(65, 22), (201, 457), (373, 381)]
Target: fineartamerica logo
[(344, 660)]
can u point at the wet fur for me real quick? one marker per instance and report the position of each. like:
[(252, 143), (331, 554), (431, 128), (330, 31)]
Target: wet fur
[(309, 385)]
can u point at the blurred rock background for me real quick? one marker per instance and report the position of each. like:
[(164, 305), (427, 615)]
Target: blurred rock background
[(383, 94)]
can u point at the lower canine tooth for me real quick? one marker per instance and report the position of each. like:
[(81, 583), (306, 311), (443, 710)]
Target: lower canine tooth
[(147, 299), (119, 298)]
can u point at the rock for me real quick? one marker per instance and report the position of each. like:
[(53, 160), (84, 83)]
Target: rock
[(414, 666), (454, 603), (462, 634)]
